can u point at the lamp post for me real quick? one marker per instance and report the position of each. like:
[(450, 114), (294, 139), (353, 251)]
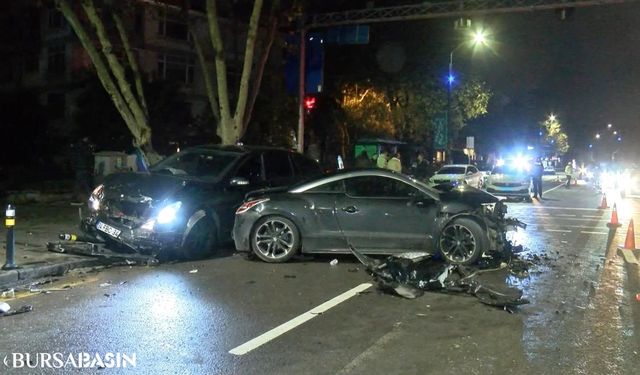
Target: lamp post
[(478, 38)]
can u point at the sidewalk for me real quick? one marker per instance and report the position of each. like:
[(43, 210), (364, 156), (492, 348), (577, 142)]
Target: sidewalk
[(37, 224)]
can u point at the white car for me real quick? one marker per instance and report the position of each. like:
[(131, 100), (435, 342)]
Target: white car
[(510, 181), (457, 173)]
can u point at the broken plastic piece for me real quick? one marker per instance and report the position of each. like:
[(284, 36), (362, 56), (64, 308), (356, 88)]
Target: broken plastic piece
[(9, 293), (105, 284), (4, 307), (194, 271), (21, 310), (333, 262)]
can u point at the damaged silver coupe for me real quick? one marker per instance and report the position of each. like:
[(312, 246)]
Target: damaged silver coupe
[(377, 212)]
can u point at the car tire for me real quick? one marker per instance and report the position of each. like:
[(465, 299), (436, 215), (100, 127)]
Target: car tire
[(275, 239), (201, 240), (462, 241)]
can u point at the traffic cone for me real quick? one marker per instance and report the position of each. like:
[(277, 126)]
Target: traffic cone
[(630, 241), (613, 223), (603, 202)]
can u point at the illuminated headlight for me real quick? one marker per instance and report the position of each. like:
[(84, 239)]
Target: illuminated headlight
[(96, 197), (168, 213)]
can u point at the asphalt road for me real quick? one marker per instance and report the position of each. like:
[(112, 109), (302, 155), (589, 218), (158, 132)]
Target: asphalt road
[(179, 321)]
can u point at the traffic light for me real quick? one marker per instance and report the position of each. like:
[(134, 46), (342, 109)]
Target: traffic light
[(309, 103)]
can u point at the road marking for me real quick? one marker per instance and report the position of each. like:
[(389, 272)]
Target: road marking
[(565, 226), (566, 215), (552, 189), (556, 208), (587, 232), (375, 350), (557, 230), (298, 320)]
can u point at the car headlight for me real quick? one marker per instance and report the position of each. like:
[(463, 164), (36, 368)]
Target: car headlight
[(96, 197), (168, 213)]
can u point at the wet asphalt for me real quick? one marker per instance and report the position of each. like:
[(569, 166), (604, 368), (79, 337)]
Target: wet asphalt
[(185, 318)]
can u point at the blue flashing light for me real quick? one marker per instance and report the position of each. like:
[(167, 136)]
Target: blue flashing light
[(619, 139), (451, 78), (590, 146), (540, 133)]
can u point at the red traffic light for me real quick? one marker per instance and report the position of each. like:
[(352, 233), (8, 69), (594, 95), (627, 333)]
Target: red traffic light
[(309, 102)]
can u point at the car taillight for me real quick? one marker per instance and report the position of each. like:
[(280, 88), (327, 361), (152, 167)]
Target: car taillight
[(246, 206)]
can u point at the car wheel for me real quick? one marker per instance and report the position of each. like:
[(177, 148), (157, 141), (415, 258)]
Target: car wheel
[(201, 240), (462, 241), (275, 239)]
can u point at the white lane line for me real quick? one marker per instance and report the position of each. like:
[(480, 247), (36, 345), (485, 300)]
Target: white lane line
[(593, 216), (566, 215), (587, 232), (549, 219), (298, 320), (513, 208), (552, 189), (375, 350), (557, 230), (565, 225)]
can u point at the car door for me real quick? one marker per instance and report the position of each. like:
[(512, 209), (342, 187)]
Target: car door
[(248, 176), (379, 214), (320, 229)]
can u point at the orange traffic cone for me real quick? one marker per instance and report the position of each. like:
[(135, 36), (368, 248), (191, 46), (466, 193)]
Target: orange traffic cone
[(603, 202), (630, 241), (614, 218)]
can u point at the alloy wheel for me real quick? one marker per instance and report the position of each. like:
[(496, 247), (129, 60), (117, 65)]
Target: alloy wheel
[(458, 243), (274, 239)]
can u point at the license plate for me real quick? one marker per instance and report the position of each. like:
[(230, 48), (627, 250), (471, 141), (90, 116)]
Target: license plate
[(108, 229)]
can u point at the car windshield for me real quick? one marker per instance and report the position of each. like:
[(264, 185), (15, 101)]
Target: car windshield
[(451, 170), (198, 163)]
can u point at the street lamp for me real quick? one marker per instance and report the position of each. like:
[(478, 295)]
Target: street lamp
[(552, 117), (598, 136), (479, 37)]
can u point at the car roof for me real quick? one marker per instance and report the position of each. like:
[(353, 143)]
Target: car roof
[(348, 173)]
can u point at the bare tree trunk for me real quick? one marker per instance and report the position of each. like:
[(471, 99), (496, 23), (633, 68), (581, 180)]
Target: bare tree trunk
[(133, 62), (206, 75), (271, 35)]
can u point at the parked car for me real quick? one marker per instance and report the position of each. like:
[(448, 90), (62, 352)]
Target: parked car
[(508, 180), (457, 174), (376, 212), (186, 203)]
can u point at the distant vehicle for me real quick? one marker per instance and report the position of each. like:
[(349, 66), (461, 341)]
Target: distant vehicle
[(186, 204), (375, 211), (465, 174), (509, 180)]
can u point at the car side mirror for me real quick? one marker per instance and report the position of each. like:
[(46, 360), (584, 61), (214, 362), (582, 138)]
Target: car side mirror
[(238, 181)]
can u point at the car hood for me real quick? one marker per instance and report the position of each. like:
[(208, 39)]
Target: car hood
[(144, 186), (466, 197)]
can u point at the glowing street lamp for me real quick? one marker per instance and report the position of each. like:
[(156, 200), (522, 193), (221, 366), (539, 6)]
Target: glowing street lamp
[(552, 117), (598, 136), (609, 126)]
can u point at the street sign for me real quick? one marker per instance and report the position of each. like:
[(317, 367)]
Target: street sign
[(440, 137)]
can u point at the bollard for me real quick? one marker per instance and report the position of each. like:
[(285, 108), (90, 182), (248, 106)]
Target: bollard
[(10, 222)]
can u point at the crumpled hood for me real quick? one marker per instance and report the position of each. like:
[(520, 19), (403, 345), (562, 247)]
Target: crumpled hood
[(467, 195), (143, 186)]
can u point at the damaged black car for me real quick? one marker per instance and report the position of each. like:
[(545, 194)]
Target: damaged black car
[(185, 204), (377, 212)]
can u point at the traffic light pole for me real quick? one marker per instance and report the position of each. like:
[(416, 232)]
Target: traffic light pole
[(301, 89)]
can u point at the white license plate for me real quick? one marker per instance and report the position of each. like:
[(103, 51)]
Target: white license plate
[(108, 229)]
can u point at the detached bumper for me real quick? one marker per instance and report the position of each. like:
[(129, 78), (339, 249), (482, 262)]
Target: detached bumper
[(134, 238)]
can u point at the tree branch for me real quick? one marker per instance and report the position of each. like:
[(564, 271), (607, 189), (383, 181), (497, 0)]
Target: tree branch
[(206, 75), (118, 71), (133, 62), (271, 35), (221, 68), (101, 67), (248, 63)]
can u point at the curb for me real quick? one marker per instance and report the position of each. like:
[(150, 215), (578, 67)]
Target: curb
[(16, 277)]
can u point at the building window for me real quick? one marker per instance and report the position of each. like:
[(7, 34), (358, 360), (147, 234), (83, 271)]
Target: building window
[(173, 28), (56, 59), (56, 19), (176, 68)]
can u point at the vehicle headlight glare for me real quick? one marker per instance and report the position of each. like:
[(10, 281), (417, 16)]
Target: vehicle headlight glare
[(96, 196), (168, 213)]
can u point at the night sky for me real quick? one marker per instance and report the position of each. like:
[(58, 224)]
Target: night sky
[(585, 69)]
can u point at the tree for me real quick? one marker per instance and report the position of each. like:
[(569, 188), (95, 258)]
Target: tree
[(88, 24), (232, 122), (555, 135)]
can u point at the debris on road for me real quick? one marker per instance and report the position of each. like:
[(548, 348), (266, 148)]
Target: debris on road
[(333, 262), (103, 285), (289, 276), (195, 270), (9, 293), (5, 309), (411, 274)]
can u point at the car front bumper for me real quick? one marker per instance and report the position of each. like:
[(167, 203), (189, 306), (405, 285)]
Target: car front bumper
[(134, 238)]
